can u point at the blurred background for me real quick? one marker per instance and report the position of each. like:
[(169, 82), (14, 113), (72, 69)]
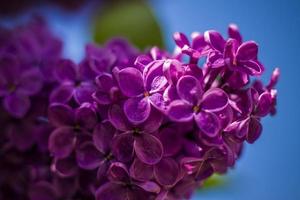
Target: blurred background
[(269, 169)]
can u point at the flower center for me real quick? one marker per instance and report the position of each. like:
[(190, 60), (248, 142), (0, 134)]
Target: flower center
[(146, 94), (12, 88), (196, 109)]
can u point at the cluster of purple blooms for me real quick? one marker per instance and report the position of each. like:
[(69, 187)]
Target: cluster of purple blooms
[(123, 124)]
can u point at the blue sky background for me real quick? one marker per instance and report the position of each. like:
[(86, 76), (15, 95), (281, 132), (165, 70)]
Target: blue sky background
[(269, 169)]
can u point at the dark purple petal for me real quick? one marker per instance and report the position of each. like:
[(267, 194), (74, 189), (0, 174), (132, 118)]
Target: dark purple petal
[(149, 186), (112, 191), (153, 122), (264, 104), (238, 80), (65, 70), (65, 167), (208, 123), (61, 142), (42, 190), (180, 111), (166, 172), (62, 94), (105, 82), (85, 116), (251, 67), (83, 92), (247, 51), (153, 77), (215, 39), (214, 100), (118, 172), (130, 81), (117, 117), (137, 109), (148, 149), (31, 82), (60, 115), (102, 169), (255, 129), (16, 104), (171, 140), (102, 136), (141, 171), (102, 98), (189, 89), (122, 147), (10, 69), (88, 157), (180, 39), (192, 149)]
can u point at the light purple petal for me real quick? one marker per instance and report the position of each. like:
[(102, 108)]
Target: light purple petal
[(180, 39), (148, 149), (157, 100), (130, 81), (251, 67), (149, 186), (208, 123), (189, 89), (247, 51), (153, 122), (215, 39), (214, 100), (180, 111), (264, 104), (166, 172), (233, 32), (137, 109)]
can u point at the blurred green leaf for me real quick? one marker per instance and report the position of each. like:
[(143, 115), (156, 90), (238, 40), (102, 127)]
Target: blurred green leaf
[(133, 20), (214, 181)]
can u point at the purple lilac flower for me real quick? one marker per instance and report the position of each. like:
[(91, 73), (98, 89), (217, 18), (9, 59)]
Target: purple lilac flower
[(126, 124)]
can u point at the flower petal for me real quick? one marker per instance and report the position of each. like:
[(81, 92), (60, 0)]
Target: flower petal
[(166, 172), (130, 81), (180, 39), (189, 89), (208, 123), (117, 117), (65, 167), (247, 51), (102, 136), (60, 115), (215, 40), (141, 171), (171, 140), (16, 104), (149, 186), (153, 122), (118, 172), (62, 94), (105, 82), (148, 149), (31, 82), (180, 111), (255, 129), (122, 147), (250, 67), (85, 116), (214, 100), (137, 109), (65, 70), (61, 142), (83, 93), (42, 190), (112, 191), (233, 32), (264, 104), (88, 157)]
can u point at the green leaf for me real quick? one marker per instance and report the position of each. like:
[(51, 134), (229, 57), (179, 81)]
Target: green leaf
[(133, 20)]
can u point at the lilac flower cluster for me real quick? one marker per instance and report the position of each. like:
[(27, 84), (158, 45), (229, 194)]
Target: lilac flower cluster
[(125, 124)]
